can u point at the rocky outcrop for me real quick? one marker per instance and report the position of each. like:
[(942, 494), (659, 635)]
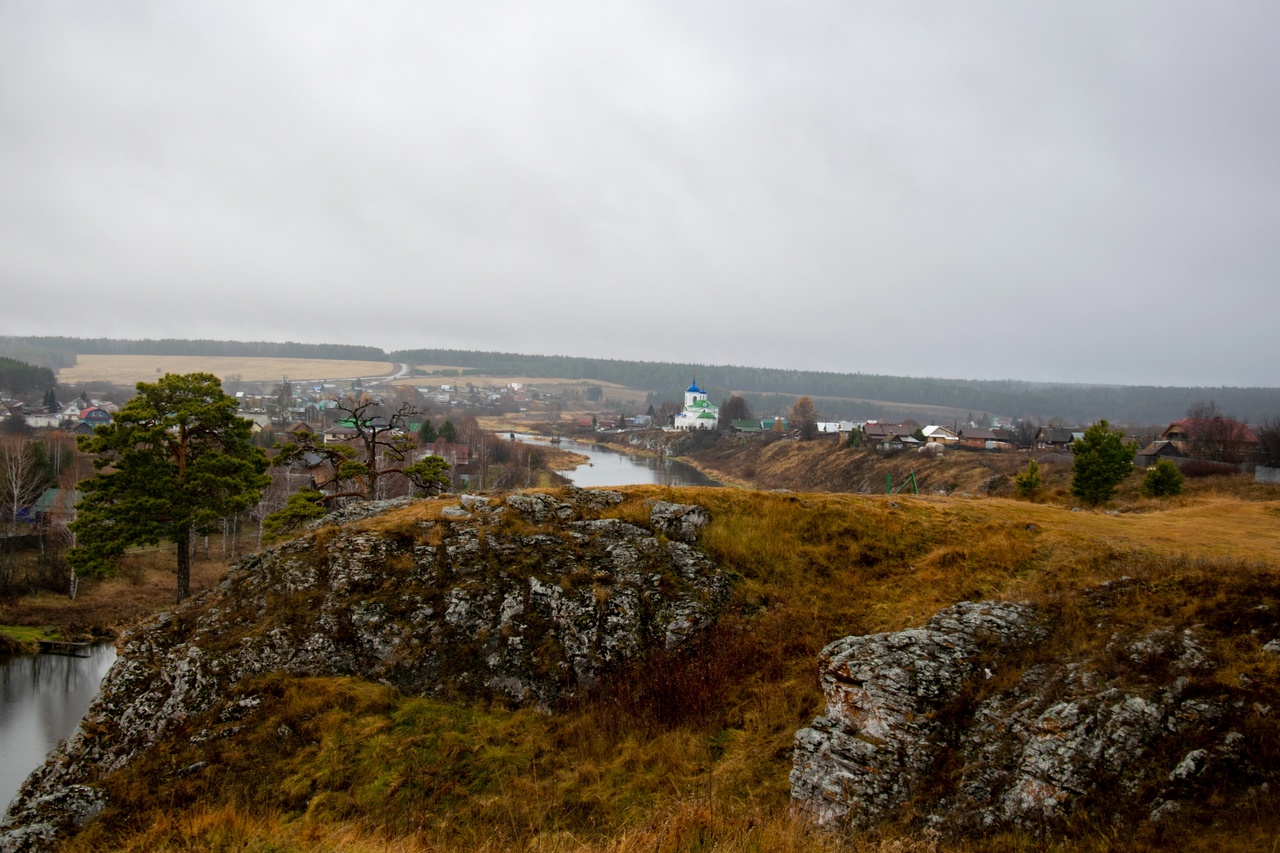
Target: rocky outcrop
[(527, 600), (967, 724)]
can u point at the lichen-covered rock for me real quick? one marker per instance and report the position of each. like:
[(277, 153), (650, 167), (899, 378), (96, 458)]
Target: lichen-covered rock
[(540, 508), (962, 723), (65, 808), (678, 521), (473, 610), (881, 731)]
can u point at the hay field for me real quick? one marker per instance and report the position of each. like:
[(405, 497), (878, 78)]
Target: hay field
[(552, 385), (131, 369)]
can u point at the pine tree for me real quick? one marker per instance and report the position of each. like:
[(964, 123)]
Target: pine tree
[(1028, 481), (1102, 460), (171, 464)]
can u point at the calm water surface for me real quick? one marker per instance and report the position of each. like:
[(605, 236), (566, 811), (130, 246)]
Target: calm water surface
[(42, 698), (608, 467)]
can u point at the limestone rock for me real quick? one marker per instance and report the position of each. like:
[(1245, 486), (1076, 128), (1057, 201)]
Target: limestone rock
[(678, 521), (961, 724), (474, 611)]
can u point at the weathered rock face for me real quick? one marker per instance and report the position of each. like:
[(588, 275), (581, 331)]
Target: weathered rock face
[(466, 606), (961, 726)]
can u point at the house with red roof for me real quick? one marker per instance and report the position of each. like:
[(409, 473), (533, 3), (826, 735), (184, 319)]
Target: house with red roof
[(1217, 439)]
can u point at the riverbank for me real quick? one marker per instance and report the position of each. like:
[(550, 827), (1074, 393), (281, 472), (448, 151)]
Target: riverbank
[(101, 609)]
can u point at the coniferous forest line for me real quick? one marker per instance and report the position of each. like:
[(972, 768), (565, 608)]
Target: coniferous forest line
[(838, 395)]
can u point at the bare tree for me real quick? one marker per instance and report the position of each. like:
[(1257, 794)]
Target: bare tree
[(1213, 435), (1026, 430), (804, 417), (668, 410), (382, 445), (734, 408), (22, 478), (1268, 433)]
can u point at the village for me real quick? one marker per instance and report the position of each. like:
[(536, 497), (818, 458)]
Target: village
[(457, 422)]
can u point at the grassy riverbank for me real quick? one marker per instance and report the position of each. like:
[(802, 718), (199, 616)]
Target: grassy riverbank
[(101, 609)]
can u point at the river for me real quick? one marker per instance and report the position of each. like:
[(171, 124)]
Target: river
[(42, 698), (609, 467)]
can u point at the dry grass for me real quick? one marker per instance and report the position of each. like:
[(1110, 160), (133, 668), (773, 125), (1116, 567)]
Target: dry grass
[(131, 369), (145, 585), (691, 751)]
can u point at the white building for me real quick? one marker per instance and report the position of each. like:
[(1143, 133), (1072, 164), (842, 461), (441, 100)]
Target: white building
[(698, 412)]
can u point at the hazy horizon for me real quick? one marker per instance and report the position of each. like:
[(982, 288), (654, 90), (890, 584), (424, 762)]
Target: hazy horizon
[(1084, 193)]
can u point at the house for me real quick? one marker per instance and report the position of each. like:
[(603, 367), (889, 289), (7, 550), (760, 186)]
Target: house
[(44, 421), (1057, 437), (893, 441), (934, 434), (56, 506), (979, 438), (1217, 439), (698, 413), (1157, 450), (874, 433), (69, 415), (338, 434)]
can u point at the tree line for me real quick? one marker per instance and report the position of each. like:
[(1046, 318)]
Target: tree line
[(20, 378), (58, 352), (862, 395), (839, 395)]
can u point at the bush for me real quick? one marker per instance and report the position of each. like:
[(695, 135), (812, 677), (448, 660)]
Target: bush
[(1162, 479), (1207, 468)]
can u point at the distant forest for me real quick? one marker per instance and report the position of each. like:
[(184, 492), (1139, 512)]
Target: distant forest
[(847, 395), (20, 378), (57, 353), (837, 395)]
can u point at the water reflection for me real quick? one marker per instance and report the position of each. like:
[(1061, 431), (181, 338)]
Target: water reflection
[(42, 698), (609, 467)]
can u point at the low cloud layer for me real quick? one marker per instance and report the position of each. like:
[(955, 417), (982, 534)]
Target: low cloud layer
[(1085, 192)]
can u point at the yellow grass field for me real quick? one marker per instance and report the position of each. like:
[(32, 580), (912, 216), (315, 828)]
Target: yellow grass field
[(613, 392), (131, 369)]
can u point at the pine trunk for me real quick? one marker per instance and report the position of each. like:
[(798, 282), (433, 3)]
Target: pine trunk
[(184, 566)]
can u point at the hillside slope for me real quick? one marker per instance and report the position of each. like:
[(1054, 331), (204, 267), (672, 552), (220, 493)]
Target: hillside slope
[(827, 465), (694, 746)]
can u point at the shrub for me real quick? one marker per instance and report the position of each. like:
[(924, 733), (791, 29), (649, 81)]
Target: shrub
[(1162, 479), (1207, 468)]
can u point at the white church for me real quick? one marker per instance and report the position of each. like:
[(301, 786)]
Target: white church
[(698, 412)]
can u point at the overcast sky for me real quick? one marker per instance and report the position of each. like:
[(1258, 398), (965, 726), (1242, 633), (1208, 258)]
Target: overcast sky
[(1083, 191)]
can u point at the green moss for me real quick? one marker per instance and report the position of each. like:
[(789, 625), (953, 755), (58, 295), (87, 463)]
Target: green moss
[(23, 639)]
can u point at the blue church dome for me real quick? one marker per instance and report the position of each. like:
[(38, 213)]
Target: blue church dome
[(694, 389)]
